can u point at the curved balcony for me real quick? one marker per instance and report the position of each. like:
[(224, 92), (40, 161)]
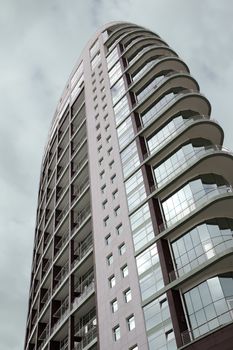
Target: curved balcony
[(180, 167), (182, 101)]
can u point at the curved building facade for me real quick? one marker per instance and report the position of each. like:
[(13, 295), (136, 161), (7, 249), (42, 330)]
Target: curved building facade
[(133, 242)]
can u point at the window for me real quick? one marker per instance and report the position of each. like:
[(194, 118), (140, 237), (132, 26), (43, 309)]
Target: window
[(96, 106), (103, 188), (125, 271), (97, 116), (113, 178), (111, 164), (114, 305), (101, 160), (106, 117), (122, 249), (116, 333), (99, 148), (98, 137), (119, 229), (105, 107), (117, 210), (127, 295), (115, 194), (95, 98), (101, 80), (104, 204), (135, 347), (112, 281), (110, 259), (103, 98), (107, 127), (94, 90), (108, 138), (106, 221), (102, 89), (131, 322), (108, 239), (102, 174), (109, 151), (97, 126)]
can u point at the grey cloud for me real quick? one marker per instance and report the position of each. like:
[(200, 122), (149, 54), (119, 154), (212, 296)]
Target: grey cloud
[(40, 43)]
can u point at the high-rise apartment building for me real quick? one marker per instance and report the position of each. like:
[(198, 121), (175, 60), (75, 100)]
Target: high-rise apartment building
[(133, 242)]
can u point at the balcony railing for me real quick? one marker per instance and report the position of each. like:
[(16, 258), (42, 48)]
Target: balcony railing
[(83, 289), (78, 166), (80, 217), (211, 247), (159, 107), (79, 189), (194, 204), (190, 335), (61, 313), (62, 275), (171, 134), (87, 338), (190, 158), (62, 214), (60, 244), (83, 249)]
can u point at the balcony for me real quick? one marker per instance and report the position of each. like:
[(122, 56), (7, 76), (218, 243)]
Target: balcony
[(86, 337), (59, 278), (61, 243), (80, 217), (43, 337), (83, 249), (190, 335), (209, 247), (78, 166), (83, 289), (61, 314), (190, 159), (78, 190)]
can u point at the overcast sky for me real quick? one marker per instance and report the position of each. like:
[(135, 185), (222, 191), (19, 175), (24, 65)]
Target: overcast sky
[(40, 43)]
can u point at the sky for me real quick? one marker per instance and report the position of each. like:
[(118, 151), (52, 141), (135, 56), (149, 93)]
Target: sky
[(40, 41)]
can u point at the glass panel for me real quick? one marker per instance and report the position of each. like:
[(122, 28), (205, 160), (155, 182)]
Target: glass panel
[(135, 190)]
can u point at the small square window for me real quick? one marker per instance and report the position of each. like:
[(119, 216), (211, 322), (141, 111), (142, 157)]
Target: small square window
[(100, 73), (108, 239), (114, 305), (103, 188), (101, 81), (116, 333), (103, 98), (111, 164), (106, 117), (107, 127), (135, 347), (106, 220), (105, 107), (93, 82), (110, 259), (113, 178), (119, 229), (115, 194), (122, 249), (108, 139), (128, 295), (110, 151), (112, 281), (125, 271), (96, 106), (102, 174), (98, 137), (101, 160), (131, 323), (99, 148), (104, 204), (97, 116), (102, 89), (117, 210), (97, 126), (95, 98), (93, 74), (94, 90)]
